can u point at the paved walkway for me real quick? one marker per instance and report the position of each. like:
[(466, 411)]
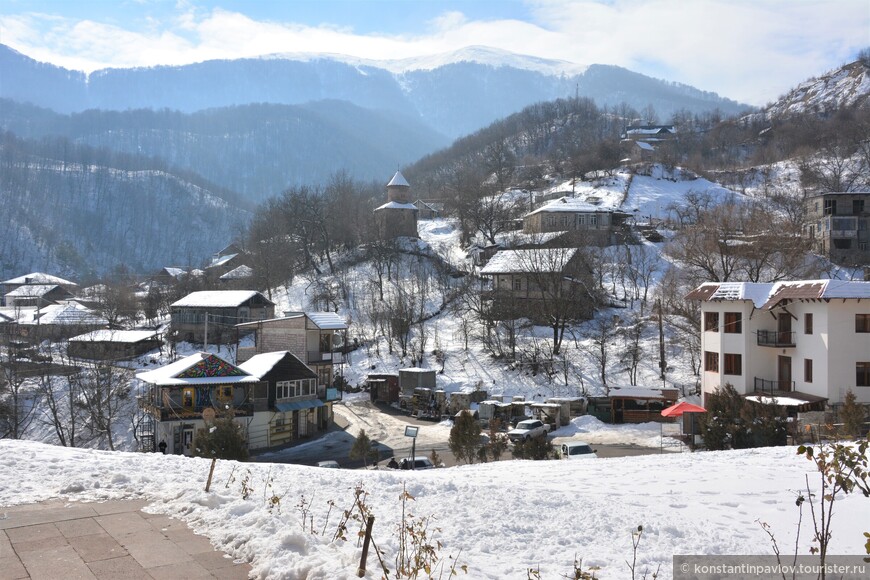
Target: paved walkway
[(56, 540)]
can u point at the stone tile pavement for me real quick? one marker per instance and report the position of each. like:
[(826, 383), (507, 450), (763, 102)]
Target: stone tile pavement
[(56, 540)]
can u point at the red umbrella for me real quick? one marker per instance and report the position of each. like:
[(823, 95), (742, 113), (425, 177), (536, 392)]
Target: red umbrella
[(680, 408)]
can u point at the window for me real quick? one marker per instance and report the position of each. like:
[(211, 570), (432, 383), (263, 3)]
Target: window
[(711, 361), (225, 394), (593, 220), (857, 206), (733, 364), (830, 206), (187, 398), (733, 323), (808, 370), (842, 243), (862, 323), (285, 389), (711, 321), (862, 374), (808, 323), (518, 284)]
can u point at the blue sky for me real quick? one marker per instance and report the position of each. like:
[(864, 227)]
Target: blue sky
[(748, 50)]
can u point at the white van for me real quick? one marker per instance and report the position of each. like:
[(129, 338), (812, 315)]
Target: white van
[(578, 450)]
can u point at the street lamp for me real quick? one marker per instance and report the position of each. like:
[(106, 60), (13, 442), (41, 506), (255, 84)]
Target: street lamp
[(411, 431)]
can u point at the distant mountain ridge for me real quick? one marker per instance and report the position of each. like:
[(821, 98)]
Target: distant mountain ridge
[(455, 94)]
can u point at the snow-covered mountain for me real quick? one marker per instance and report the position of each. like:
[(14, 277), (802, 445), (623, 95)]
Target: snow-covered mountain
[(455, 93)]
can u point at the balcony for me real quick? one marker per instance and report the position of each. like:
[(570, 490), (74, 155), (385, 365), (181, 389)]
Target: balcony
[(179, 413), (325, 357), (774, 338), (773, 386), (844, 233)]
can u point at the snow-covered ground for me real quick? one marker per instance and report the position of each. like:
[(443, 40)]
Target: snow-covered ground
[(499, 519)]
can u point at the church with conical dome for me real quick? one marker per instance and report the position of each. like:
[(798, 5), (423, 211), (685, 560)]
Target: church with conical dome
[(398, 217)]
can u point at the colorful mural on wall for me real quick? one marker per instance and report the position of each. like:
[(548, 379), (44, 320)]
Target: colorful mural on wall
[(211, 366)]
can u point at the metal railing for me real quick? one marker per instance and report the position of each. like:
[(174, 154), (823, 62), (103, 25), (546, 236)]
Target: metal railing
[(772, 386), (776, 338)]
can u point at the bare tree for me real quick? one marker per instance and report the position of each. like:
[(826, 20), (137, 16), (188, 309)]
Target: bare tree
[(104, 392), (632, 350), (601, 333)]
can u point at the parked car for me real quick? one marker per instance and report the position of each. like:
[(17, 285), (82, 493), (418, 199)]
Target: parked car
[(527, 429), (578, 450), (417, 463), (328, 463)]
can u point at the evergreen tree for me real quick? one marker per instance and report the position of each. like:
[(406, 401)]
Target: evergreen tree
[(362, 448), (537, 448), (852, 414), (223, 439), (464, 438)]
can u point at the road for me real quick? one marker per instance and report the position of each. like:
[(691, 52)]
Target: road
[(387, 428)]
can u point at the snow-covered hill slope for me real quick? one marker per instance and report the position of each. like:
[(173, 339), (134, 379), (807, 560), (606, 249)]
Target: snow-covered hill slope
[(847, 86), (499, 519)]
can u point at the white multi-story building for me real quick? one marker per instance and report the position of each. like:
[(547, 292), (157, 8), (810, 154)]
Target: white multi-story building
[(805, 340)]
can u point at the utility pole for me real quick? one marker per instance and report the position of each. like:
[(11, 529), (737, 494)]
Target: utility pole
[(662, 363), (205, 339)]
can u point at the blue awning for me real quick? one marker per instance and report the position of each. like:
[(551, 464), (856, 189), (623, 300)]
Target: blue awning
[(299, 405)]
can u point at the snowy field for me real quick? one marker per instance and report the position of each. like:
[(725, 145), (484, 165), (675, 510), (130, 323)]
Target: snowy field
[(499, 518)]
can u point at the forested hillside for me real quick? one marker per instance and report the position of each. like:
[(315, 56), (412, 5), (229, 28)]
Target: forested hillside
[(77, 211), (256, 150)]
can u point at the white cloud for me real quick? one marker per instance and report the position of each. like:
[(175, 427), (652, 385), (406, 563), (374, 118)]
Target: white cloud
[(749, 50)]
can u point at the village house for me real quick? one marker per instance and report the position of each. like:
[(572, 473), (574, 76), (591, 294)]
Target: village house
[(597, 225), (181, 397), (37, 279), (397, 217), (805, 342), (273, 398), (427, 210), (211, 316), (838, 225), (113, 345), (522, 278), (316, 338), (295, 406), (36, 295)]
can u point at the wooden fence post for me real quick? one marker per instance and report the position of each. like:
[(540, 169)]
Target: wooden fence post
[(210, 474), (361, 571)]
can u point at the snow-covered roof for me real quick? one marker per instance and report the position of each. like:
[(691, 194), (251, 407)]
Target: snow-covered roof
[(39, 278), (327, 320), (638, 392), (584, 204), (416, 370), (217, 299), (262, 364), (239, 273), (72, 313), (397, 205), (221, 260), (32, 290), (174, 272), (120, 336), (201, 368), (259, 365), (524, 261), (644, 145), (398, 180), (768, 295), (782, 401)]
